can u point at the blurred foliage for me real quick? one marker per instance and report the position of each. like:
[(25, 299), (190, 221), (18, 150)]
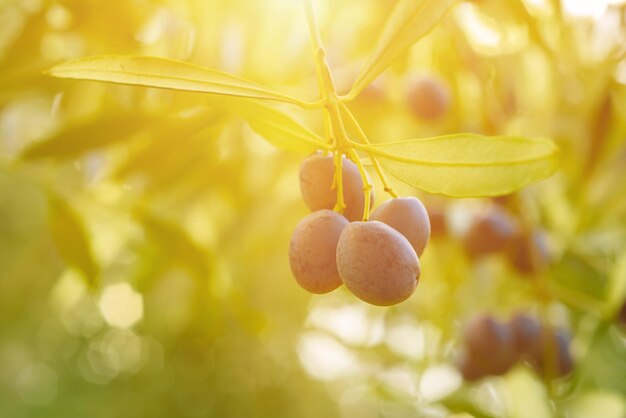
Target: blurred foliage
[(144, 233)]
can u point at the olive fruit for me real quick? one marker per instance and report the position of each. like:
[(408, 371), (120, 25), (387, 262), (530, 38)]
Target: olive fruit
[(503, 200), (470, 369), (377, 263), (492, 348), (491, 231), (483, 335), (550, 353), (490, 344), (408, 216), (312, 251), (528, 253), (526, 331), (438, 222), (428, 98), (317, 172)]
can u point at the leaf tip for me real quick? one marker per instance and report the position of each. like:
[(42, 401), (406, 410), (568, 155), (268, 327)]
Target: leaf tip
[(53, 71)]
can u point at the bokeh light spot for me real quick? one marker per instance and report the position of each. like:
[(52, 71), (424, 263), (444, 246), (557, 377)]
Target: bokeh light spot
[(121, 306), (325, 358)]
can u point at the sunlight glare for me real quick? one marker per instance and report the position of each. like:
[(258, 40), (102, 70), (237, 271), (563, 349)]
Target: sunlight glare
[(585, 8)]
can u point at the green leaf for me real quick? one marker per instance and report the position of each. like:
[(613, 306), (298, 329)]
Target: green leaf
[(616, 288), (468, 165), (176, 245), (277, 127), (71, 239), (86, 136), (597, 403), (166, 74), (409, 21)]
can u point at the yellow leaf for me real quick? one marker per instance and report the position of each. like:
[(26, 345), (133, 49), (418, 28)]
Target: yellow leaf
[(528, 395), (87, 135), (409, 21), (277, 127), (468, 165), (165, 74)]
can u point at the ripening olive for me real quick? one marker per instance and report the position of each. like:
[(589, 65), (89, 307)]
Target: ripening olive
[(470, 369), (550, 354), (428, 98), (490, 232), (528, 253), (490, 344), (438, 222), (408, 216), (312, 251), (317, 172), (526, 331), (503, 200), (377, 263)]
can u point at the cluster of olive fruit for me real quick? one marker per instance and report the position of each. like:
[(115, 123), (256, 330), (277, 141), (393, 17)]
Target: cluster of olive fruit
[(495, 230), (378, 259), (492, 348)]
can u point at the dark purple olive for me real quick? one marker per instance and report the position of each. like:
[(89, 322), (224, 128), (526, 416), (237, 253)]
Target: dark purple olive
[(490, 344), (526, 331), (529, 254), (470, 369), (551, 356)]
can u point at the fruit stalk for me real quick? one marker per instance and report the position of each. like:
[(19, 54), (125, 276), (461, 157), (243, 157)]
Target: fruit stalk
[(381, 174)]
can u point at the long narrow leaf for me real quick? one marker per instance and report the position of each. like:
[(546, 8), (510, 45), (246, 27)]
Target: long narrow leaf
[(87, 136), (71, 239), (409, 21), (166, 74), (616, 288), (468, 165), (277, 127)]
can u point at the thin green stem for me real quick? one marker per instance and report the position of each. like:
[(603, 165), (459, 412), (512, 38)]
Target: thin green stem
[(345, 98), (332, 118), (340, 206), (548, 344), (576, 299), (325, 80), (328, 129), (316, 39), (357, 127), (312, 105), (316, 45)]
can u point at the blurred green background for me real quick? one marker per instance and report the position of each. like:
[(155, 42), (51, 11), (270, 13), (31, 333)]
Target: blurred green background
[(144, 233)]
